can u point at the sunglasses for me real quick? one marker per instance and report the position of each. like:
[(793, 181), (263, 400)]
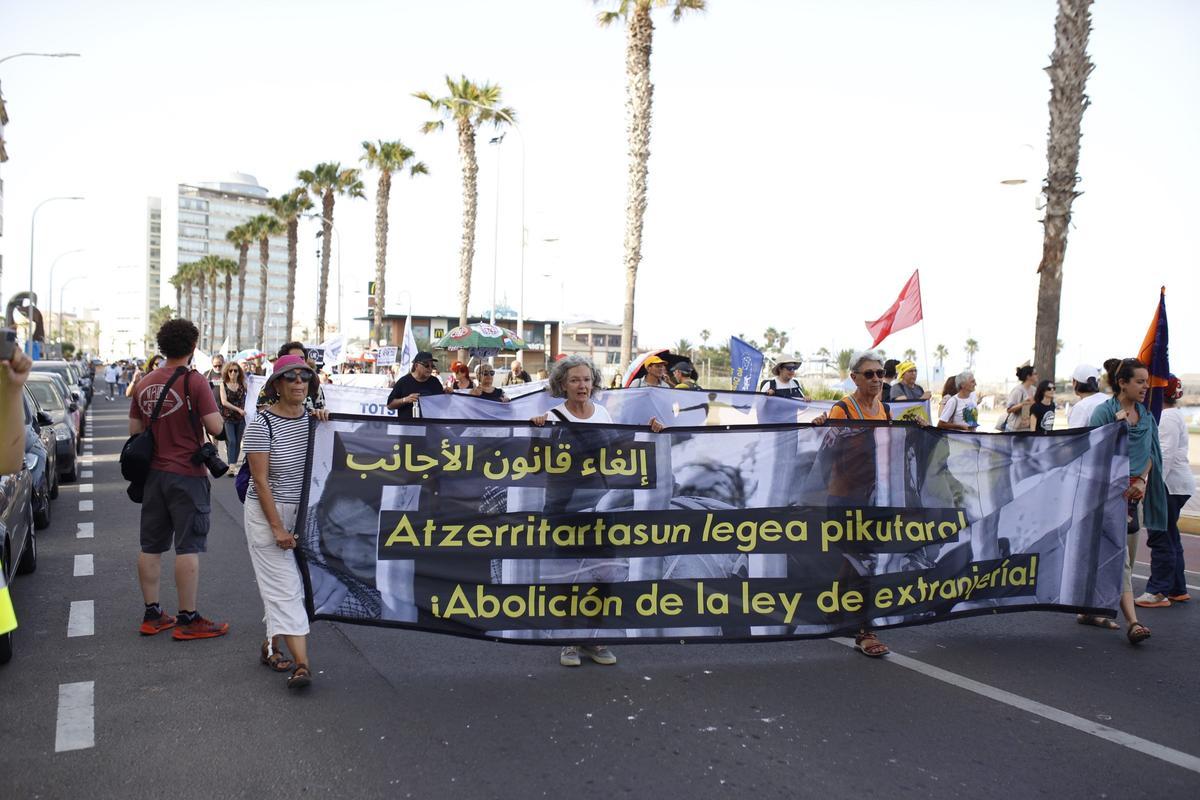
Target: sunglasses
[(871, 373), (297, 375), (487, 372), (792, 367)]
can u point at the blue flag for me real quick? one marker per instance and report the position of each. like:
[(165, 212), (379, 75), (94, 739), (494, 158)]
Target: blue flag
[(747, 364)]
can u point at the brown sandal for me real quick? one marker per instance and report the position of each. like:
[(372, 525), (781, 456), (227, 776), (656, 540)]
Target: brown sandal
[(867, 643), (276, 661), (1137, 633), (1098, 621), (301, 677)]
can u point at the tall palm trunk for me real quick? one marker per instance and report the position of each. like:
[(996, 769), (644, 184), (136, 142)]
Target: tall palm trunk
[(293, 238), (326, 243), (264, 257), (187, 293), (1069, 69), (212, 310), (179, 300), (228, 297), (470, 189), (638, 101), (381, 232), (200, 324), (243, 255)]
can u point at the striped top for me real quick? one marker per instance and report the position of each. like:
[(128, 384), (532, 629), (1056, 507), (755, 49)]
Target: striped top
[(286, 442)]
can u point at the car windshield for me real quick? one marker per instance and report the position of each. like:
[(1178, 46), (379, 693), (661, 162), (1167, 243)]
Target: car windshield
[(47, 395), (61, 370)]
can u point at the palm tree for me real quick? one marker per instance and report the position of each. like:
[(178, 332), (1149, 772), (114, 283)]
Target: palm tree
[(639, 93), (469, 105), (177, 280), (387, 157), (288, 209), (209, 268), (941, 353), (683, 347), (264, 226), (844, 357), (705, 335), (1069, 69), (971, 348), (326, 181), (910, 355), (240, 237), (227, 269)]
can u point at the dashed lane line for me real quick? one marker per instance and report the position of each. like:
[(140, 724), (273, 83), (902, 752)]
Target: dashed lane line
[(82, 621), (86, 488), (76, 726), (87, 473), (1136, 743), (85, 505), (86, 530), (84, 565)]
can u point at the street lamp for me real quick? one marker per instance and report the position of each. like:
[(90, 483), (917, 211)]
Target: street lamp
[(521, 301), (338, 243), (50, 287), (40, 55), (32, 242), (497, 140)]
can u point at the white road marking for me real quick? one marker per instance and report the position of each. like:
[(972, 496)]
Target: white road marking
[(87, 473), (84, 565), (85, 488), (1186, 571), (76, 728), (1136, 743), (85, 505), (86, 530), (1147, 577), (87, 462), (82, 621)]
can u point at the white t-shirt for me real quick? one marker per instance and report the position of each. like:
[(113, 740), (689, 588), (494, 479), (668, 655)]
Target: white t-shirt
[(1173, 436), (1081, 413), (111, 374), (599, 414), (961, 411)]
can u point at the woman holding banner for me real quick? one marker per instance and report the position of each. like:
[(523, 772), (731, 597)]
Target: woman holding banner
[(1147, 493), (276, 448), (577, 380), (485, 386)]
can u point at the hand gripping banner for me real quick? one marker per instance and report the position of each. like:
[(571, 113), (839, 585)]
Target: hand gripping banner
[(504, 530)]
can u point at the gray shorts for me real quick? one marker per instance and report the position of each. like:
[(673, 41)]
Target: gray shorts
[(175, 509)]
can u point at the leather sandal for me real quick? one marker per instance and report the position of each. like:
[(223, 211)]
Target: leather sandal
[(301, 677), (276, 661), (1137, 633), (867, 643)]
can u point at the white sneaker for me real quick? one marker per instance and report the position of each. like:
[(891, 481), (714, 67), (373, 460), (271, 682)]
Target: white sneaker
[(600, 654), (569, 656)]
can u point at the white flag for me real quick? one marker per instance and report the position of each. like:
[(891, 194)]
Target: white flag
[(408, 349), (201, 361), (224, 351), (335, 350)]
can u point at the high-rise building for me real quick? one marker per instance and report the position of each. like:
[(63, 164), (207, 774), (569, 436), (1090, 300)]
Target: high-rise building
[(153, 260), (207, 210)]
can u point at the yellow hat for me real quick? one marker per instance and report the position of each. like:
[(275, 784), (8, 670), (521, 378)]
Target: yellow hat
[(653, 360), (903, 367)]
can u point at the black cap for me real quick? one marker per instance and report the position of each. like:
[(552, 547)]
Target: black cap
[(683, 366), (423, 356)]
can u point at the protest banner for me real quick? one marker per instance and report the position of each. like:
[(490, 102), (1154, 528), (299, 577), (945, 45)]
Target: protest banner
[(611, 533), (386, 356)]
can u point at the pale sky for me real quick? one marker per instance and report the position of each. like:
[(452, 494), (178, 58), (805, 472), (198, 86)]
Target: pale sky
[(806, 157)]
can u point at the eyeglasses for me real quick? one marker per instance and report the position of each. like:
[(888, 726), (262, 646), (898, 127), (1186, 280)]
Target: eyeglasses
[(871, 373), (297, 375), (488, 372)]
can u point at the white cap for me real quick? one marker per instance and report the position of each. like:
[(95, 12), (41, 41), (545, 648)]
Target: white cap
[(1085, 372)]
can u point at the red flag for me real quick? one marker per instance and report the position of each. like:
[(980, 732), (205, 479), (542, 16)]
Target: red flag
[(905, 312)]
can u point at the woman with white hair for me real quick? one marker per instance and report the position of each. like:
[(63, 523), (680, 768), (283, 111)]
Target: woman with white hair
[(960, 412), (577, 380)]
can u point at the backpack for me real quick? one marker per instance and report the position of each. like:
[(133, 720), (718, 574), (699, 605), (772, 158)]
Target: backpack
[(241, 482), (138, 450)]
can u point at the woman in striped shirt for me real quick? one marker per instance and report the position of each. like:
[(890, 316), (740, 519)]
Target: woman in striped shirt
[(276, 445)]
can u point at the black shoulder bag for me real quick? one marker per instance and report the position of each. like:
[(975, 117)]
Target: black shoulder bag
[(138, 451)]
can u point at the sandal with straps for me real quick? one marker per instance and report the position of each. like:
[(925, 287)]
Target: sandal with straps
[(276, 661), (867, 643), (301, 677), (1137, 633)]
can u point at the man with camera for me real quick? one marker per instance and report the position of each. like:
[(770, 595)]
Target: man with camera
[(175, 500)]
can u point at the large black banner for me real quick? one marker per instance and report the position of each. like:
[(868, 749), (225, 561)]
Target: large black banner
[(613, 533)]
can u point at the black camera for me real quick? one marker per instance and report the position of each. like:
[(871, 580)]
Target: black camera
[(207, 455)]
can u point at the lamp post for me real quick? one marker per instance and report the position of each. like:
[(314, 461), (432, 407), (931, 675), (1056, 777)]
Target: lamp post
[(40, 55), (497, 140), (32, 242), (50, 287), (337, 243), (521, 300)]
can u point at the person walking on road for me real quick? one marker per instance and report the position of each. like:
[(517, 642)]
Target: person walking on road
[(411, 387), (1020, 400), (960, 411), (176, 500), (685, 376), (111, 373), (1168, 581), (276, 447), (232, 394), (1147, 494)]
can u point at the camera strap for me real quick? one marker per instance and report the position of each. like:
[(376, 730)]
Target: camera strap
[(187, 398)]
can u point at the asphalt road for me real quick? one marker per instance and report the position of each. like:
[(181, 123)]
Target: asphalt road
[(1025, 705)]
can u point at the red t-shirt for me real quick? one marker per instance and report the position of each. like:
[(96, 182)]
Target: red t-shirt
[(176, 436)]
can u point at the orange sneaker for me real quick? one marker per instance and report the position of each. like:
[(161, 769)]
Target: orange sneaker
[(152, 625), (200, 628), (1179, 598)]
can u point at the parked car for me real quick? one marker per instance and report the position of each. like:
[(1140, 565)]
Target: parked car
[(71, 375), (40, 442), (18, 548), (72, 398), (47, 392)]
